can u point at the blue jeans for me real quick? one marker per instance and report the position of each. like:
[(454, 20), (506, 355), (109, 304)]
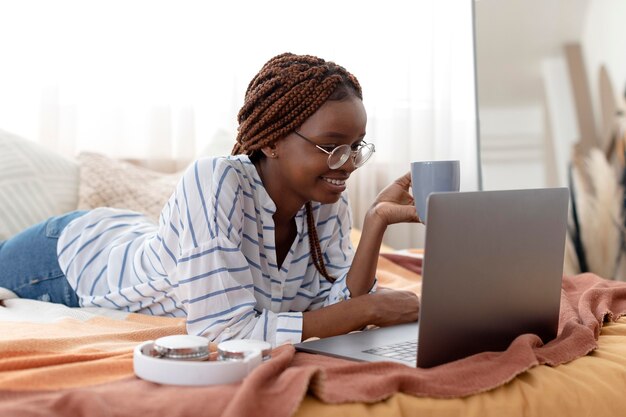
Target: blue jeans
[(29, 265)]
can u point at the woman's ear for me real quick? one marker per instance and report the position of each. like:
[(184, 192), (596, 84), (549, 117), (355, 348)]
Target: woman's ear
[(269, 151)]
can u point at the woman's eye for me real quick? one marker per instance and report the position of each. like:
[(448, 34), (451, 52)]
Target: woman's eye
[(356, 146)]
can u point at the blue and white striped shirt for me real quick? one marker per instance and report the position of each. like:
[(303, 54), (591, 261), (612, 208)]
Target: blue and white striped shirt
[(212, 257)]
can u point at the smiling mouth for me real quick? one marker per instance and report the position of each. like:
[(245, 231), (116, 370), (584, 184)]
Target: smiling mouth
[(334, 181)]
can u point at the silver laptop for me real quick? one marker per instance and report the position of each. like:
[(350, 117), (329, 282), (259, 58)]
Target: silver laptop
[(493, 264)]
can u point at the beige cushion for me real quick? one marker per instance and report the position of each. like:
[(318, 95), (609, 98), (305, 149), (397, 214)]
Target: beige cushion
[(107, 182), (35, 184)]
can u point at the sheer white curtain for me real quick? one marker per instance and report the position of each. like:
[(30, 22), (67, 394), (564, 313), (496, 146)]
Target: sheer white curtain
[(163, 79)]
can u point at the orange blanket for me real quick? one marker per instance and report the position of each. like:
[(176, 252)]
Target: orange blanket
[(60, 361)]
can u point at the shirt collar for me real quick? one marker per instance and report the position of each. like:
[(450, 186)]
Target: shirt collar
[(267, 204)]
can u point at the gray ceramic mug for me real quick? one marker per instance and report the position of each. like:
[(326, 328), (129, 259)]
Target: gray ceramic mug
[(432, 176)]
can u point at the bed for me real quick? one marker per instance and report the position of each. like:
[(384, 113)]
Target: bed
[(59, 361)]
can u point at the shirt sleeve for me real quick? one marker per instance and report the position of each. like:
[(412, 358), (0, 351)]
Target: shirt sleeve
[(212, 277), (216, 288)]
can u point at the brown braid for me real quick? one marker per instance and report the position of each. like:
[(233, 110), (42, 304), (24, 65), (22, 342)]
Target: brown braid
[(314, 242), (287, 91)]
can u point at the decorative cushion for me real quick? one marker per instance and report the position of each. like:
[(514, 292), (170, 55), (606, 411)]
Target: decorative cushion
[(107, 182), (35, 184)]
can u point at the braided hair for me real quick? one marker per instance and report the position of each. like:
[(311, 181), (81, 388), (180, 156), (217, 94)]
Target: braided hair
[(286, 92)]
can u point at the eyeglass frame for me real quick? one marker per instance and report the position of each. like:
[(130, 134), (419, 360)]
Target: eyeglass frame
[(353, 154)]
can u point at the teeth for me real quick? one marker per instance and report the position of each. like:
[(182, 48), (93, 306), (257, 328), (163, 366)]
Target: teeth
[(335, 182)]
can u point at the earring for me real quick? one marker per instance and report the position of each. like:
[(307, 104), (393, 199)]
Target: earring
[(273, 154)]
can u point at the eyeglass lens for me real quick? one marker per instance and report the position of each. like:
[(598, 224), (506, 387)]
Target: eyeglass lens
[(340, 155)]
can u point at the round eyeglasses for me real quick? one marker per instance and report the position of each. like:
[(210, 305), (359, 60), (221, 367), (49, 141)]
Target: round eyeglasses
[(338, 155)]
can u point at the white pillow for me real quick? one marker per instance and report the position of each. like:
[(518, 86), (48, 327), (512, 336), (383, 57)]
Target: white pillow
[(35, 184)]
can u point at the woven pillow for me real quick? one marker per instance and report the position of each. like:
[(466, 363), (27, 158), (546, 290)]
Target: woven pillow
[(107, 182), (35, 184)]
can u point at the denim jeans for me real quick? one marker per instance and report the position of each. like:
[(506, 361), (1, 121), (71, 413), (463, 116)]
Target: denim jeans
[(29, 265)]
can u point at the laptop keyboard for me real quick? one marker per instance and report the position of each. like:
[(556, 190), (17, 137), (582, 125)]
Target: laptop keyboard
[(403, 351)]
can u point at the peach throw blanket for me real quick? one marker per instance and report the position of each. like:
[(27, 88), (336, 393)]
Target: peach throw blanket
[(82, 366)]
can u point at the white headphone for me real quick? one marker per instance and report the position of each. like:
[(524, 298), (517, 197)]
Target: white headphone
[(180, 360)]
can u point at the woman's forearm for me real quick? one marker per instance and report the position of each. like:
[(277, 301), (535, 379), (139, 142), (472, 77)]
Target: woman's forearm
[(343, 317), (363, 270)]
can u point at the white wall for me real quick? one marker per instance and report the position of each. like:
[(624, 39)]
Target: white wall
[(604, 37), (512, 147)]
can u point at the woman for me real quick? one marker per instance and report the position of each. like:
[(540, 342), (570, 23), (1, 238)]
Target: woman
[(255, 245)]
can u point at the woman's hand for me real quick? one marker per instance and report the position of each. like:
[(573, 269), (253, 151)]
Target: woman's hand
[(394, 204), (382, 308), (394, 307)]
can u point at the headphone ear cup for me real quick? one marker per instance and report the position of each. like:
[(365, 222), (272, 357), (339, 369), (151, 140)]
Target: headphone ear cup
[(148, 364)]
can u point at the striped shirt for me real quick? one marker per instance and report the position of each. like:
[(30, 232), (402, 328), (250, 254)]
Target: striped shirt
[(211, 258)]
